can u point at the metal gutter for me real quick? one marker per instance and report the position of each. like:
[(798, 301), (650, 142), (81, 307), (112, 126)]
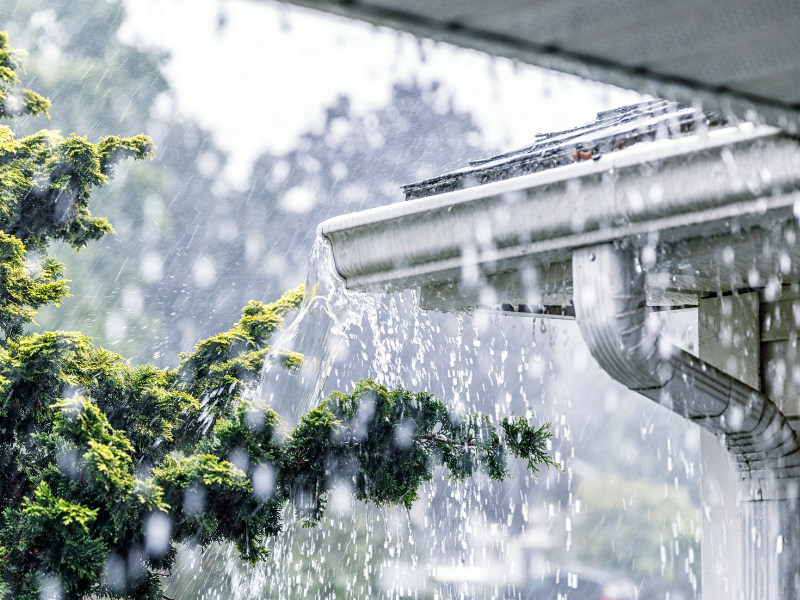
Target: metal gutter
[(714, 212), (680, 189)]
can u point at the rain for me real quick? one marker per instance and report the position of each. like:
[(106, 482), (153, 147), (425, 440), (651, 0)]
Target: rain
[(299, 148)]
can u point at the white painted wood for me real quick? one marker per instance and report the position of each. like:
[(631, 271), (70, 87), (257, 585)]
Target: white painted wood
[(729, 339)]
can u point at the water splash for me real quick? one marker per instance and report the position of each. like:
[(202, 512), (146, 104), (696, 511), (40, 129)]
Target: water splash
[(482, 539), (300, 360)]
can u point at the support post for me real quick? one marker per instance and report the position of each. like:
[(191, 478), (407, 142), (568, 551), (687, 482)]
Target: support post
[(729, 339)]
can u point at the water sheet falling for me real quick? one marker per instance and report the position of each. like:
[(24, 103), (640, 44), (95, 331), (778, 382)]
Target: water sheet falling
[(299, 362), (623, 512)]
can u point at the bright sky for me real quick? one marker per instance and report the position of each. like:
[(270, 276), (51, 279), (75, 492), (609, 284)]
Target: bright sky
[(290, 63)]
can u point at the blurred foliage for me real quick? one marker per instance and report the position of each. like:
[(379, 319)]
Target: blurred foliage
[(189, 249), (654, 538), (14, 102)]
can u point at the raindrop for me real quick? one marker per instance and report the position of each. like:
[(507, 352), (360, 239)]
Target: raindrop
[(158, 530)]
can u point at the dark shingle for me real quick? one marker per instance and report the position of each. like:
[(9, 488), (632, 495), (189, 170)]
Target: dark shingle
[(611, 130)]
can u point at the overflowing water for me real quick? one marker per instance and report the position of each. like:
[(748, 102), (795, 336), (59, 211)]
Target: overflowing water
[(314, 338), (624, 510)]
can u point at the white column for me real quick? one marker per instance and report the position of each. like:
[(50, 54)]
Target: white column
[(729, 339)]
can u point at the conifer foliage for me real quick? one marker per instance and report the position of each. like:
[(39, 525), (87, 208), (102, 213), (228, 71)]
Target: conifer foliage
[(105, 466)]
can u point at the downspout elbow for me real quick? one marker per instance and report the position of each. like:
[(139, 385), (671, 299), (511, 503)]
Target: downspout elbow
[(611, 310)]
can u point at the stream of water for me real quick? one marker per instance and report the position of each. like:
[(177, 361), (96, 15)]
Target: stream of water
[(318, 332), (478, 539)]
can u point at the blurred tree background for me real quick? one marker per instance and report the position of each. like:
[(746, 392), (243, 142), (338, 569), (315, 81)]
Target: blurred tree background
[(190, 251)]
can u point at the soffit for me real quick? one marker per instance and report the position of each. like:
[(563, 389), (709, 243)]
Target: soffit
[(732, 56)]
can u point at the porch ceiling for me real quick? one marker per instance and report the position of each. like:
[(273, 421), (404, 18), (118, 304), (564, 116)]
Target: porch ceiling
[(732, 55)]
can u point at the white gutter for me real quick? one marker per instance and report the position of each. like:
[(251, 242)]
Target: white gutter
[(676, 187)]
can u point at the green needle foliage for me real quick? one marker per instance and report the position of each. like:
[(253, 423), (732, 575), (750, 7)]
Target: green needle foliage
[(105, 466), (13, 102)]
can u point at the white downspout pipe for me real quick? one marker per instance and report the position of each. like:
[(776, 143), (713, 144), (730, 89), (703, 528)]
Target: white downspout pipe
[(611, 312)]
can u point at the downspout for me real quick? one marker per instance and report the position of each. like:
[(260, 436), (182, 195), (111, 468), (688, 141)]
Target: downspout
[(610, 307)]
